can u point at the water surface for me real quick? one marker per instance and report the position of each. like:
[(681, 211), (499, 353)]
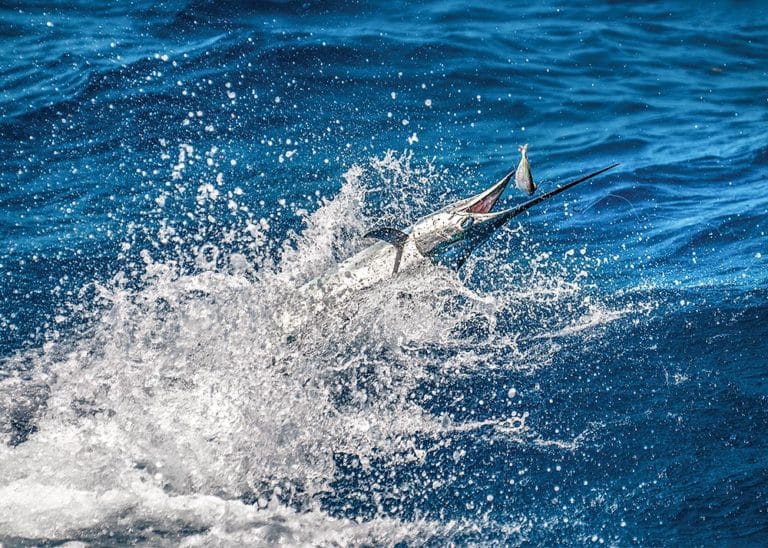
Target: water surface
[(172, 172)]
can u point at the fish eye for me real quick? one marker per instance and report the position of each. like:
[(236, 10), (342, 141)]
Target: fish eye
[(467, 222)]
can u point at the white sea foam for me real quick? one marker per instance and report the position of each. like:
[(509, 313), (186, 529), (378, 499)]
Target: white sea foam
[(187, 396)]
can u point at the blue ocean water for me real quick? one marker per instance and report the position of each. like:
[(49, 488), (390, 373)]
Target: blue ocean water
[(172, 172)]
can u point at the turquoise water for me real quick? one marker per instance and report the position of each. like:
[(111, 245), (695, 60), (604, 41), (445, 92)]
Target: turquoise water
[(173, 172)]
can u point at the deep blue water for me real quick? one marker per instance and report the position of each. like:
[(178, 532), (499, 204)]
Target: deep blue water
[(171, 172)]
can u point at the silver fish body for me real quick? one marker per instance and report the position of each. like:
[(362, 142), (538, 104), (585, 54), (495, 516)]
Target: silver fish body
[(446, 237)]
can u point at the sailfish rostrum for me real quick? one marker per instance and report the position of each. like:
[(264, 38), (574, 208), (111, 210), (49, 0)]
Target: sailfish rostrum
[(447, 237)]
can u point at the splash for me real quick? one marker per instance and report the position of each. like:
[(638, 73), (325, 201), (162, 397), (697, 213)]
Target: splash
[(187, 405)]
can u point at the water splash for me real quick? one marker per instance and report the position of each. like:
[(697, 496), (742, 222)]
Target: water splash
[(188, 406)]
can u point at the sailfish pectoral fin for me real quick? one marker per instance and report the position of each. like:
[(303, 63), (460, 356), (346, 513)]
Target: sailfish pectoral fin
[(398, 256), (392, 236)]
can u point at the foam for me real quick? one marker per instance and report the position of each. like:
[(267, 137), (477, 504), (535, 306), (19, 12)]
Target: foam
[(186, 395)]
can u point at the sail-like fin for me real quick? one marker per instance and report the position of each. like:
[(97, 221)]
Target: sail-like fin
[(392, 236)]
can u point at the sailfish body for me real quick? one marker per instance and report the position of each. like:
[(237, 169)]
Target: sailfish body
[(447, 237)]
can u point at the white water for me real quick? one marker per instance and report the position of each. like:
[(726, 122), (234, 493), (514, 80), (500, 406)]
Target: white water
[(185, 397)]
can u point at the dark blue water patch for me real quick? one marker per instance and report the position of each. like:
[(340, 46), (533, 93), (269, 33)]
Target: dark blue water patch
[(38, 295)]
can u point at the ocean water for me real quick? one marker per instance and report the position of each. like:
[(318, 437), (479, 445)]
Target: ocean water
[(172, 172)]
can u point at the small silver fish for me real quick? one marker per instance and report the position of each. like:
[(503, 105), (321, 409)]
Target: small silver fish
[(523, 177)]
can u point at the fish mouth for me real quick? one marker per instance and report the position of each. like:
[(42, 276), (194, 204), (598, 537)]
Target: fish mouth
[(501, 217), (484, 202)]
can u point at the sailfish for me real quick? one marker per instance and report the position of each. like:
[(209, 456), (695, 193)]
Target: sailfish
[(446, 237)]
